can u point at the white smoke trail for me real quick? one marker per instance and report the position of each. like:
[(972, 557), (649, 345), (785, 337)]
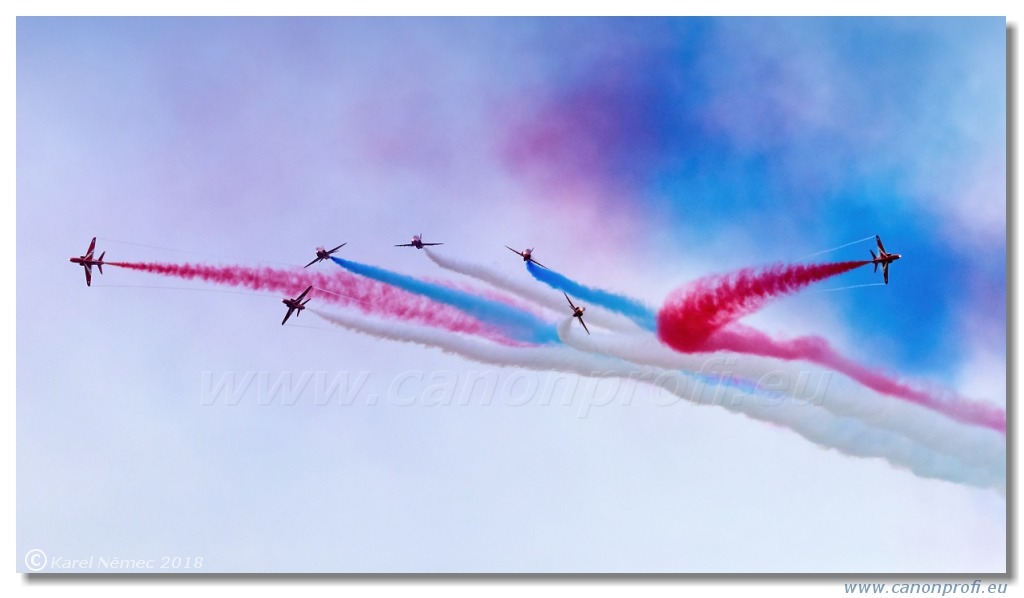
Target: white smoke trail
[(976, 447), (846, 288), (846, 435), (532, 291), (870, 238), (231, 259), (558, 358), (172, 288)]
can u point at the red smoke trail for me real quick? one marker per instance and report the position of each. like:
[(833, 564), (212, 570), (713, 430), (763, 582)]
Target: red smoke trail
[(695, 318), (815, 349), (692, 314), (346, 289)]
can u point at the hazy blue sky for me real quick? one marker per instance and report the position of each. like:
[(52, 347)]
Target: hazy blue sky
[(636, 155)]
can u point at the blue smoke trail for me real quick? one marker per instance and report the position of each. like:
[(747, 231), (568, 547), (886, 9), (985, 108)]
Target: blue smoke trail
[(515, 323), (642, 315)]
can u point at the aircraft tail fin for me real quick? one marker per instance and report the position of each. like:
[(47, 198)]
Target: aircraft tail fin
[(99, 265), (874, 258)]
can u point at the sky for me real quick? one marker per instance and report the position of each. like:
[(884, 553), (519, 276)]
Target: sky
[(635, 156)]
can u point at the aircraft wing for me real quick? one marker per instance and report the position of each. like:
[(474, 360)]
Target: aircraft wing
[(539, 264), (519, 253), (584, 325), (88, 276), (287, 315), (885, 272), (879, 240), (569, 300), (405, 245), (312, 262), (92, 247), (338, 247), (299, 298), (425, 244)]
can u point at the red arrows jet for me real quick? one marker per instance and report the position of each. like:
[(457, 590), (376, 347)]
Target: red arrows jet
[(417, 242), (296, 305), (577, 312), (86, 261), (883, 258), (322, 254), (527, 255)]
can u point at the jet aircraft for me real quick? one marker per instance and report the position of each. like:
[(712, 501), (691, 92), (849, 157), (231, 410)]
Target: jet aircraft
[(295, 305), (86, 261), (417, 242), (322, 254), (577, 312), (883, 259), (527, 255)]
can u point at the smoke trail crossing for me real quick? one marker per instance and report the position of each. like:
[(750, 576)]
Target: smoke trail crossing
[(698, 318), (642, 315), (846, 435), (530, 292), (851, 423), (977, 448), (692, 314), (513, 322)]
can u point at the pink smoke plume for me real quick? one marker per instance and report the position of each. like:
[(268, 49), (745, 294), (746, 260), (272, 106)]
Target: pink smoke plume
[(700, 317), (342, 288)]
